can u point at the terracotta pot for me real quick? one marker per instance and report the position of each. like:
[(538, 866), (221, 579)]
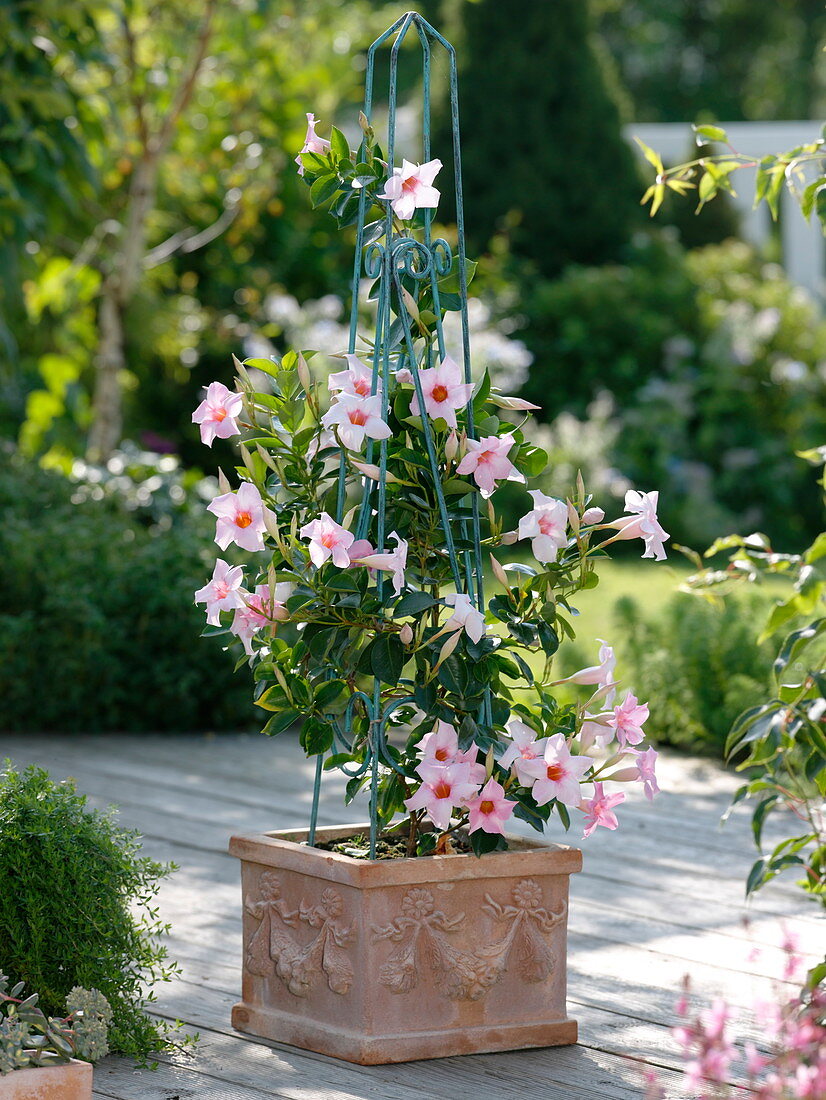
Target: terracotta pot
[(380, 961), (65, 1081)]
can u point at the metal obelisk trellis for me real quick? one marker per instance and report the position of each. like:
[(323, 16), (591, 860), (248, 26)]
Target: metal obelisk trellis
[(388, 260)]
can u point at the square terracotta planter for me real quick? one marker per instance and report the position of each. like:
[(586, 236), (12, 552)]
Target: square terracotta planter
[(66, 1081), (379, 961)]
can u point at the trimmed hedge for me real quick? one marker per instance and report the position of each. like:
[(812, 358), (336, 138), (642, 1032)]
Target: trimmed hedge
[(98, 629)]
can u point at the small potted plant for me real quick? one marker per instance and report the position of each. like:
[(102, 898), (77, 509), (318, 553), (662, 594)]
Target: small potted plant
[(367, 509), (45, 1057)]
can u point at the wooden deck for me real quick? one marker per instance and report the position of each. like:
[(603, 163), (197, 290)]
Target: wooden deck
[(660, 898)]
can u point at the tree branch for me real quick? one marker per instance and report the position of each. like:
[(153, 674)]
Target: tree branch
[(190, 240), (187, 85), (138, 100)]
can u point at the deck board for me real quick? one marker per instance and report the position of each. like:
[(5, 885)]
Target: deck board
[(660, 898)]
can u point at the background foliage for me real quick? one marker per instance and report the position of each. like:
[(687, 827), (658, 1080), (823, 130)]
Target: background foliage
[(657, 364)]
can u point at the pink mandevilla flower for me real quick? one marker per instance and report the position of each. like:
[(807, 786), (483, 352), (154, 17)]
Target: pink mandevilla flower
[(217, 414), (489, 810), (328, 539), (642, 523), (444, 391), (223, 592), (258, 610), (240, 518), (411, 187), (356, 418), (444, 790), (628, 720), (524, 747), (394, 561), (602, 674), (312, 142), (599, 810), (487, 459), (646, 762), (546, 525), (356, 379), (557, 774), (440, 746), (465, 616)]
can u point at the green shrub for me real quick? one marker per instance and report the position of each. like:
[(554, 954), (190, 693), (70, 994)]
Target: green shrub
[(97, 621), (76, 907), (697, 664), (605, 328), (716, 431)]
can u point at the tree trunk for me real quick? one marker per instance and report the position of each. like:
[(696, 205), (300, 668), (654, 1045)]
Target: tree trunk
[(117, 290), (107, 403)]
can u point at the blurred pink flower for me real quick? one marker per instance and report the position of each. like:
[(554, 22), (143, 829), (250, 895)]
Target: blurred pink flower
[(240, 518), (646, 762), (546, 525), (489, 810), (217, 414), (599, 809), (312, 142), (328, 539), (356, 418), (444, 391), (487, 460), (601, 674), (628, 720), (223, 592), (411, 187)]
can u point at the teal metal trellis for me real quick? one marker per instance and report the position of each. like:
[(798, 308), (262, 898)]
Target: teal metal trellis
[(390, 260)]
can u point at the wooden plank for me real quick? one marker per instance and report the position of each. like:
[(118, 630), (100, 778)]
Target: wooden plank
[(728, 869)]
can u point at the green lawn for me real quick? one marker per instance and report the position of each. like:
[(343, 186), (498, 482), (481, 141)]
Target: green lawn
[(650, 583)]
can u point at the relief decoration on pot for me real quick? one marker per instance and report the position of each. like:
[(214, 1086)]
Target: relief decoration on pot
[(421, 931), (299, 966)]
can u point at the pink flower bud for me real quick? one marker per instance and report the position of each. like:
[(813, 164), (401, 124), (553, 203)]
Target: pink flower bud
[(509, 538), (499, 572), (406, 634), (593, 515), (303, 371), (451, 446)]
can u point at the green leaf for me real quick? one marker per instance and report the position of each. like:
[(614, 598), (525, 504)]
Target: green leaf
[(649, 154), (757, 876), (327, 693), (316, 736), (387, 658), (323, 189), (454, 486), (450, 283), (280, 722), (704, 134), (413, 603), (531, 460), (339, 145), (797, 641)]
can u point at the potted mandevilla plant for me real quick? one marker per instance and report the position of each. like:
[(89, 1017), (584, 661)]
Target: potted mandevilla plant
[(367, 508)]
